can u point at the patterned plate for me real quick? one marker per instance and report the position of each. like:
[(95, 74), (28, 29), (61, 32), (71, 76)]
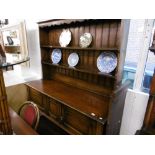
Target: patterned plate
[(56, 56), (106, 62), (65, 38), (73, 59), (85, 40)]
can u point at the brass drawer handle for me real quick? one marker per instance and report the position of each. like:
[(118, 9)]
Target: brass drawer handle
[(100, 118), (93, 114)]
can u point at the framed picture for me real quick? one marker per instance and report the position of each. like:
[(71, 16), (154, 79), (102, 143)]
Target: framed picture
[(11, 37), (15, 39)]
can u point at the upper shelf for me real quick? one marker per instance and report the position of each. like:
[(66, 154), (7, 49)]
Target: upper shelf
[(79, 48)]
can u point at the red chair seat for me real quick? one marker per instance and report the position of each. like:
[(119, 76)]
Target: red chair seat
[(30, 113)]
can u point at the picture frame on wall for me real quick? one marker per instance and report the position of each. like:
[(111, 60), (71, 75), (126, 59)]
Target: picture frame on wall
[(14, 39)]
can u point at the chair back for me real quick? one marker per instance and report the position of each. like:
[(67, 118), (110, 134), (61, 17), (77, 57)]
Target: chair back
[(30, 113)]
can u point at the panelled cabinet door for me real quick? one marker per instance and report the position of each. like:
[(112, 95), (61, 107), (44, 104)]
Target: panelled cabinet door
[(81, 123), (55, 109), (37, 98), (45, 104)]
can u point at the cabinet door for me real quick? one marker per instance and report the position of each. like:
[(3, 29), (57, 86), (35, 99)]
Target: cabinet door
[(81, 123), (55, 109), (37, 98)]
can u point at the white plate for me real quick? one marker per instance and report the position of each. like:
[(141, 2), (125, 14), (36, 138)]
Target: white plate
[(85, 40), (73, 59), (56, 56), (65, 38), (106, 62)]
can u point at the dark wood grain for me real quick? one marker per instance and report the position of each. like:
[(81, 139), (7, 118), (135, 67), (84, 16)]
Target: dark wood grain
[(72, 96), (76, 93), (152, 86), (98, 35), (5, 123), (76, 33), (113, 34), (93, 33), (54, 109), (119, 35), (73, 40), (105, 35), (76, 120), (149, 120), (44, 37)]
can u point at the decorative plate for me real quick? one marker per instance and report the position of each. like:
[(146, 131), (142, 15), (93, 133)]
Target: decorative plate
[(56, 56), (73, 59), (65, 38), (85, 40), (106, 62)]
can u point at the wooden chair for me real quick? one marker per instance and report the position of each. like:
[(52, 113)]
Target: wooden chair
[(30, 113)]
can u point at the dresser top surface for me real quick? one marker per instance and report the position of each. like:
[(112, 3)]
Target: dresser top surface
[(78, 99)]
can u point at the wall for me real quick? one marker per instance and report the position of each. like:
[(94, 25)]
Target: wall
[(134, 42), (12, 91), (136, 101), (134, 111), (33, 47)]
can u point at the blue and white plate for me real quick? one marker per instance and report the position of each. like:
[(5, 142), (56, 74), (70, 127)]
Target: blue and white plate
[(73, 59), (56, 56), (106, 62)]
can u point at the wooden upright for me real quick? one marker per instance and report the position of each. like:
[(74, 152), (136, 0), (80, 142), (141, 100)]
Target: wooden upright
[(5, 122), (149, 121)]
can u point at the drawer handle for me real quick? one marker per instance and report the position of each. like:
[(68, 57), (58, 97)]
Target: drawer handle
[(100, 118), (93, 114), (61, 119)]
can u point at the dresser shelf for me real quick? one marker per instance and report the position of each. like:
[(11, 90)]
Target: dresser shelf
[(80, 69), (81, 49)]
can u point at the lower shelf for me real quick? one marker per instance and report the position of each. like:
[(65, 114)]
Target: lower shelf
[(109, 75)]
